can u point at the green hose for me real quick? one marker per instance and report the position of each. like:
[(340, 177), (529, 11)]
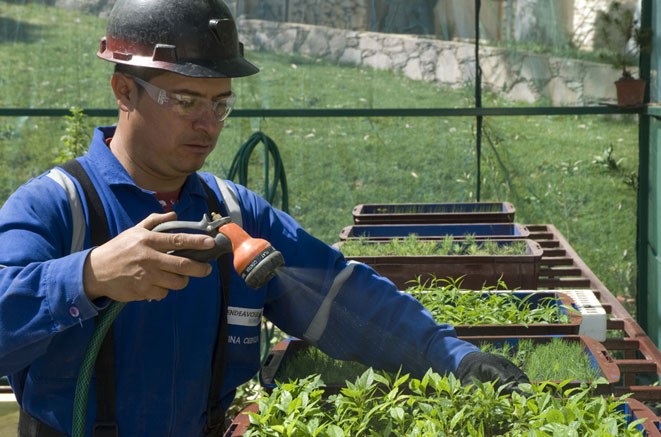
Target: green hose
[(87, 368), (241, 163)]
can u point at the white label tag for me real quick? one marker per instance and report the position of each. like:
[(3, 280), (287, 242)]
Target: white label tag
[(244, 316)]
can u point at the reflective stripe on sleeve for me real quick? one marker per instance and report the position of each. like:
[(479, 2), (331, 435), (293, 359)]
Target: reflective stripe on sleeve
[(77, 214), (320, 320)]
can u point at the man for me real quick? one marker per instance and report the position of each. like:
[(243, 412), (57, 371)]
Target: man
[(175, 60)]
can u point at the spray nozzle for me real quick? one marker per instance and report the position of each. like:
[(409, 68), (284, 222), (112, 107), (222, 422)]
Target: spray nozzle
[(254, 258)]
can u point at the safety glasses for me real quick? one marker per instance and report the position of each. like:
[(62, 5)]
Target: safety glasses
[(188, 106)]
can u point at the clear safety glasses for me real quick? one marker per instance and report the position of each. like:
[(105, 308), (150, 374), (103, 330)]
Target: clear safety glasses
[(188, 106)]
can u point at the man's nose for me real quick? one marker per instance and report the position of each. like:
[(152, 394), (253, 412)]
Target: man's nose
[(208, 121)]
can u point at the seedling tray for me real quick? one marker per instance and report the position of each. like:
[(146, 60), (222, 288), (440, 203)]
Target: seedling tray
[(599, 357), (633, 409), (287, 349), (475, 271), (450, 212), (565, 305), (499, 231)]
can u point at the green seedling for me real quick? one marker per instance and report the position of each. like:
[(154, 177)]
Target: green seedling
[(310, 359), (378, 404), (556, 360), (412, 245), (450, 304)]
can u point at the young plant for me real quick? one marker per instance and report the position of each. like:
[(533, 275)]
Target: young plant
[(449, 304), (556, 360), (378, 404), (412, 245), (76, 138), (311, 360)]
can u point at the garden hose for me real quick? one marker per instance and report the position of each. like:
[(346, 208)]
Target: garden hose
[(241, 163), (87, 368)]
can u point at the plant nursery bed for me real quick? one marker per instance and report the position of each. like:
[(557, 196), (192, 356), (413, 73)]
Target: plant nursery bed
[(498, 231), (632, 409), (596, 358), (556, 309), (449, 212), (476, 271), (292, 402), (294, 359)]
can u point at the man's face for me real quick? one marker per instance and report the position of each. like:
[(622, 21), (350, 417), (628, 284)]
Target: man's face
[(174, 129)]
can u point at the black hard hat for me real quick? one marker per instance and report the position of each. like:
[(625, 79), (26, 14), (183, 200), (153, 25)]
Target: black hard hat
[(196, 38)]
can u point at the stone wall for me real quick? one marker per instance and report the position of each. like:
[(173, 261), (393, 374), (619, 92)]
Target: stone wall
[(516, 76)]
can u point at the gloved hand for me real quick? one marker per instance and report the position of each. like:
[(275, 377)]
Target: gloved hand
[(484, 366)]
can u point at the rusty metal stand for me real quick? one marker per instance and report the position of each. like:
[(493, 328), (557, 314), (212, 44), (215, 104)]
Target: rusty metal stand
[(637, 357)]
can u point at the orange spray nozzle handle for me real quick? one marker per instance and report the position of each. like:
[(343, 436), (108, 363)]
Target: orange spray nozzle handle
[(254, 258)]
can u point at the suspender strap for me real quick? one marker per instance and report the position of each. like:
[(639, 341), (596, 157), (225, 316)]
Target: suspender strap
[(105, 424), (215, 411)]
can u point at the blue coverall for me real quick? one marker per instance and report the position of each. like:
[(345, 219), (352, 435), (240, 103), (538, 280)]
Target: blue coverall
[(163, 349)]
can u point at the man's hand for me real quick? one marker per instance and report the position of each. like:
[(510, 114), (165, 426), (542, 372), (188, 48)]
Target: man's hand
[(135, 264), (483, 366)]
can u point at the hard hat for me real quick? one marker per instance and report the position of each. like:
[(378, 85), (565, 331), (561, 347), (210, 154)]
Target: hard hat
[(196, 38)]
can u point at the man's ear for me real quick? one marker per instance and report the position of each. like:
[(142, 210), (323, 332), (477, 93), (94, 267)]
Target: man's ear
[(125, 90)]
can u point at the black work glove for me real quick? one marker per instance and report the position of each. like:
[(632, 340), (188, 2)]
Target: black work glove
[(484, 366)]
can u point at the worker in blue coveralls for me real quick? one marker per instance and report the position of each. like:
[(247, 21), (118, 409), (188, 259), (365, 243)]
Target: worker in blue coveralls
[(174, 64)]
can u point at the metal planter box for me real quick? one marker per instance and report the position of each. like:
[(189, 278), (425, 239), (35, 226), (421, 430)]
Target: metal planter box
[(241, 422), (635, 409), (451, 212), (476, 271), (498, 231)]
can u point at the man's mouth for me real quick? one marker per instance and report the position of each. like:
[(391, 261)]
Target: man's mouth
[(200, 145)]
